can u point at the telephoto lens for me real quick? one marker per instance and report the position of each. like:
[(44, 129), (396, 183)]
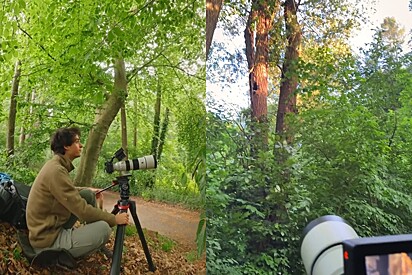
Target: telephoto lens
[(142, 163), (321, 249)]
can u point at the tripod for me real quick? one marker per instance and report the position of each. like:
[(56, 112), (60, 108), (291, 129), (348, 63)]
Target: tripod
[(122, 206)]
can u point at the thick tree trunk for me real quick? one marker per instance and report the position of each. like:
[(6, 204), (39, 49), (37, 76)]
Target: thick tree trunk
[(156, 122), (103, 120), (213, 8), (289, 83), (250, 50), (261, 16), (13, 109)]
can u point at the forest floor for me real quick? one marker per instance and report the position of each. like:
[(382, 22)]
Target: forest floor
[(170, 233)]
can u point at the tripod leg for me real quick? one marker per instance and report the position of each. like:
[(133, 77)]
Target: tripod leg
[(118, 245), (132, 205), (117, 250), (115, 209)]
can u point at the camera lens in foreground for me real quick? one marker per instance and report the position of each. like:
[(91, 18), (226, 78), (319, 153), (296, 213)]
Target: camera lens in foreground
[(321, 248), (142, 163)]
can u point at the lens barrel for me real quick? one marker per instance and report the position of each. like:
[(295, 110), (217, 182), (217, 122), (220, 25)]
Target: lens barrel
[(321, 248), (142, 163)]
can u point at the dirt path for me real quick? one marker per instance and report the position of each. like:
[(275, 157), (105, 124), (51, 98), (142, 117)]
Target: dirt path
[(172, 221)]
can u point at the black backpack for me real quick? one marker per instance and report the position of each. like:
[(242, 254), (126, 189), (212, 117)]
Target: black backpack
[(13, 201)]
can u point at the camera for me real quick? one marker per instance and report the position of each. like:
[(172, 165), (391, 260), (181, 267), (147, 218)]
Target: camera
[(142, 163), (330, 246)]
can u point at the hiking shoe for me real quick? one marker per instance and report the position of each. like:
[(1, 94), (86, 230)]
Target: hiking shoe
[(108, 253), (60, 257)]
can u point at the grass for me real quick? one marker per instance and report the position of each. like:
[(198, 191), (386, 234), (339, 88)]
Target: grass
[(166, 244), (130, 230), (191, 256), (17, 253)]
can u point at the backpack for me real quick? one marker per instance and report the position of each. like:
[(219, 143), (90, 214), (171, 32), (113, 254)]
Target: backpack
[(13, 201)]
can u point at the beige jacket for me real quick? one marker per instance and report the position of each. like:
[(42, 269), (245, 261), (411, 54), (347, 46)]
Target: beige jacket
[(52, 199)]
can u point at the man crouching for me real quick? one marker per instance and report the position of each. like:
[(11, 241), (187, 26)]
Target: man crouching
[(54, 204)]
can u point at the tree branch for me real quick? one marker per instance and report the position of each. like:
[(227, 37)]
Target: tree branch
[(177, 67), (35, 72), (134, 72), (39, 45), (133, 13), (177, 75)]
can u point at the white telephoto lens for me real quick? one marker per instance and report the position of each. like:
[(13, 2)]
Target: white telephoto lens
[(142, 163), (321, 249)]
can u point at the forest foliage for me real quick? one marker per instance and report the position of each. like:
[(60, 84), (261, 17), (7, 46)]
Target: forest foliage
[(351, 149), (67, 55)]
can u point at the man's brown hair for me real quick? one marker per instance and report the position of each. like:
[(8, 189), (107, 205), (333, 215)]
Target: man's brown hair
[(63, 137)]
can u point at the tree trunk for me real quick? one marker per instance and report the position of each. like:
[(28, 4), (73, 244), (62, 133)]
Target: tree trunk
[(261, 16), (134, 121), (102, 122), (22, 138), (32, 101), (213, 8), (289, 82), (156, 122), (162, 137), (124, 129), (13, 110)]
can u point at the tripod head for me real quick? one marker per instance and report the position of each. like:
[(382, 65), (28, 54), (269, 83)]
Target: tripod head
[(124, 187)]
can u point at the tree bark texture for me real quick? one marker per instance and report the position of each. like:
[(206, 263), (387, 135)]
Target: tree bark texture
[(213, 8), (22, 138), (13, 109), (289, 82), (123, 122), (156, 122), (163, 132), (104, 117), (134, 121), (257, 31)]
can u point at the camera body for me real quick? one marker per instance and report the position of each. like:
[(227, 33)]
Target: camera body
[(330, 246), (378, 255)]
